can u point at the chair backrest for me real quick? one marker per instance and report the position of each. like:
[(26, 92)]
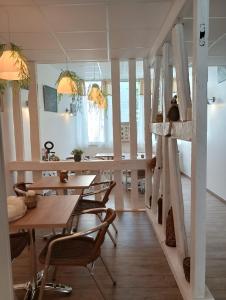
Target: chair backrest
[(105, 198), (20, 186), (109, 217), (18, 241)]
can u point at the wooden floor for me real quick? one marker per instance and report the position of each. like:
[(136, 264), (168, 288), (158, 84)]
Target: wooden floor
[(138, 263)]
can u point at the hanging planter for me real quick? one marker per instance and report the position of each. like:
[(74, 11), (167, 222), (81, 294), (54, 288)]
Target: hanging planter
[(13, 65), (97, 97)]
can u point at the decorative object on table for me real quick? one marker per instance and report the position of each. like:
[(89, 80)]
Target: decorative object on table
[(77, 154), (96, 95), (187, 267), (63, 176), (159, 118), (16, 208), (30, 199), (170, 232), (160, 210), (70, 84), (48, 146), (53, 157), (173, 114), (13, 65)]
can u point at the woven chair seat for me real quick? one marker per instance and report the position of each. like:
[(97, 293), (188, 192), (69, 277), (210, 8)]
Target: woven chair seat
[(18, 241), (84, 204), (79, 251)]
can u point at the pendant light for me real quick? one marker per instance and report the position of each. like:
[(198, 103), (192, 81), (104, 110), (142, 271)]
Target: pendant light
[(13, 65)]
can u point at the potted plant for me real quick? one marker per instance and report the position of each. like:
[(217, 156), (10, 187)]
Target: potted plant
[(77, 154)]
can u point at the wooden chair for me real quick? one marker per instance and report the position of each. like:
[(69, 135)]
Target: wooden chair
[(78, 249), (99, 188)]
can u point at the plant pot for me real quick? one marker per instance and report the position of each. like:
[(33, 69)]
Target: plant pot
[(77, 157)]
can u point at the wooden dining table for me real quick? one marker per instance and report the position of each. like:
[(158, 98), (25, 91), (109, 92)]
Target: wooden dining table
[(51, 212)]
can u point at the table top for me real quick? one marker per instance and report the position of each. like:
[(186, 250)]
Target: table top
[(51, 211), (53, 182)]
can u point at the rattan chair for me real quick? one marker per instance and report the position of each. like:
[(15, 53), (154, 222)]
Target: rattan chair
[(78, 249), (21, 187), (103, 189)]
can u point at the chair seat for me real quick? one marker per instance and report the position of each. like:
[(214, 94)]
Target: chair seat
[(78, 251), (84, 204)]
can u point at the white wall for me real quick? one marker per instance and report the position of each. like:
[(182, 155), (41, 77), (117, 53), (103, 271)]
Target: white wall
[(216, 138)]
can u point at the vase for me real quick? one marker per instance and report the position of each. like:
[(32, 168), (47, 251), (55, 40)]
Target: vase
[(77, 157)]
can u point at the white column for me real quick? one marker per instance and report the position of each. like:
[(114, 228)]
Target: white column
[(133, 128), (6, 283), (34, 117), (117, 146), (167, 79), (147, 132), (155, 92), (182, 76), (199, 145), (165, 180), (18, 127)]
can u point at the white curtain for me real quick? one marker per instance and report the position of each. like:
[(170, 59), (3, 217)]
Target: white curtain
[(140, 123), (81, 128)]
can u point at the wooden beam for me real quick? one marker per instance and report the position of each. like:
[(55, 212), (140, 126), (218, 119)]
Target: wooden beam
[(180, 130), (165, 180), (167, 79), (155, 92), (147, 133), (177, 199), (199, 147), (133, 128), (167, 26), (117, 146), (18, 127), (182, 76), (6, 282)]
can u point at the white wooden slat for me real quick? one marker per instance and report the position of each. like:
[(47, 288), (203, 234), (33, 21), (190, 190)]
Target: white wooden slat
[(147, 133), (157, 175), (199, 147), (117, 146), (167, 79), (155, 92), (133, 128), (165, 180), (182, 76), (6, 282), (18, 127), (177, 199), (34, 117)]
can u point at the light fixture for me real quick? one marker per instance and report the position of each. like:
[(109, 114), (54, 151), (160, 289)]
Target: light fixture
[(13, 65), (67, 83)]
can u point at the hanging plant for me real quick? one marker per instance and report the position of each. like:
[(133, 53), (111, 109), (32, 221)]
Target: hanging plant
[(3, 85), (97, 96), (13, 65)]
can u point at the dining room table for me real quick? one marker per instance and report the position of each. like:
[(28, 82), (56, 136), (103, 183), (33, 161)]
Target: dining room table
[(50, 212)]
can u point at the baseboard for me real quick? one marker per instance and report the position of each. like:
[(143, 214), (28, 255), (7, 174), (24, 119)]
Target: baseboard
[(174, 262)]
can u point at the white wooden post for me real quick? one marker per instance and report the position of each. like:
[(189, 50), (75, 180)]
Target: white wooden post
[(167, 79), (182, 76), (18, 127), (199, 147), (157, 175), (133, 128), (34, 117), (177, 199), (155, 93), (6, 282), (147, 133), (165, 180), (117, 146)]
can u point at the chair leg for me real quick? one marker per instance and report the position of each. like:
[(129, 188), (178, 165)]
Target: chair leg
[(54, 273), (75, 229), (91, 272), (108, 271), (111, 237), (115, 228), (41, 289)]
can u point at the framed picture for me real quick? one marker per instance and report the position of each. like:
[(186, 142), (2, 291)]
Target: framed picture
[(221, 74)]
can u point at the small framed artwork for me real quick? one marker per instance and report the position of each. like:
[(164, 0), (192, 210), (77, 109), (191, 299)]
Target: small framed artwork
[(221, 74)]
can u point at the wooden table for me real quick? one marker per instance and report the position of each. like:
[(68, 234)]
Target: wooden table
[(51, 212), (53, 183)]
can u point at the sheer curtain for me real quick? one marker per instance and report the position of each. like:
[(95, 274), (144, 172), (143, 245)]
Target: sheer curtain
[(81, 128), (140, 123)]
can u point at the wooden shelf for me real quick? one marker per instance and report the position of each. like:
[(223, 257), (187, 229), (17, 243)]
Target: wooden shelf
[(180, 130), (174, 261)]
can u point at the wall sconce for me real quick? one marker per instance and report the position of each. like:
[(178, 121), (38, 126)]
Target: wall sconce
[(211, 100)]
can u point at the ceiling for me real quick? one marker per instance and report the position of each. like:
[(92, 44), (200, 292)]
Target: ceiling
[(53, 31)]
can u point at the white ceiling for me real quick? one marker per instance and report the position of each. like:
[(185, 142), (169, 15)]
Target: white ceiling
[(51, 31)]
